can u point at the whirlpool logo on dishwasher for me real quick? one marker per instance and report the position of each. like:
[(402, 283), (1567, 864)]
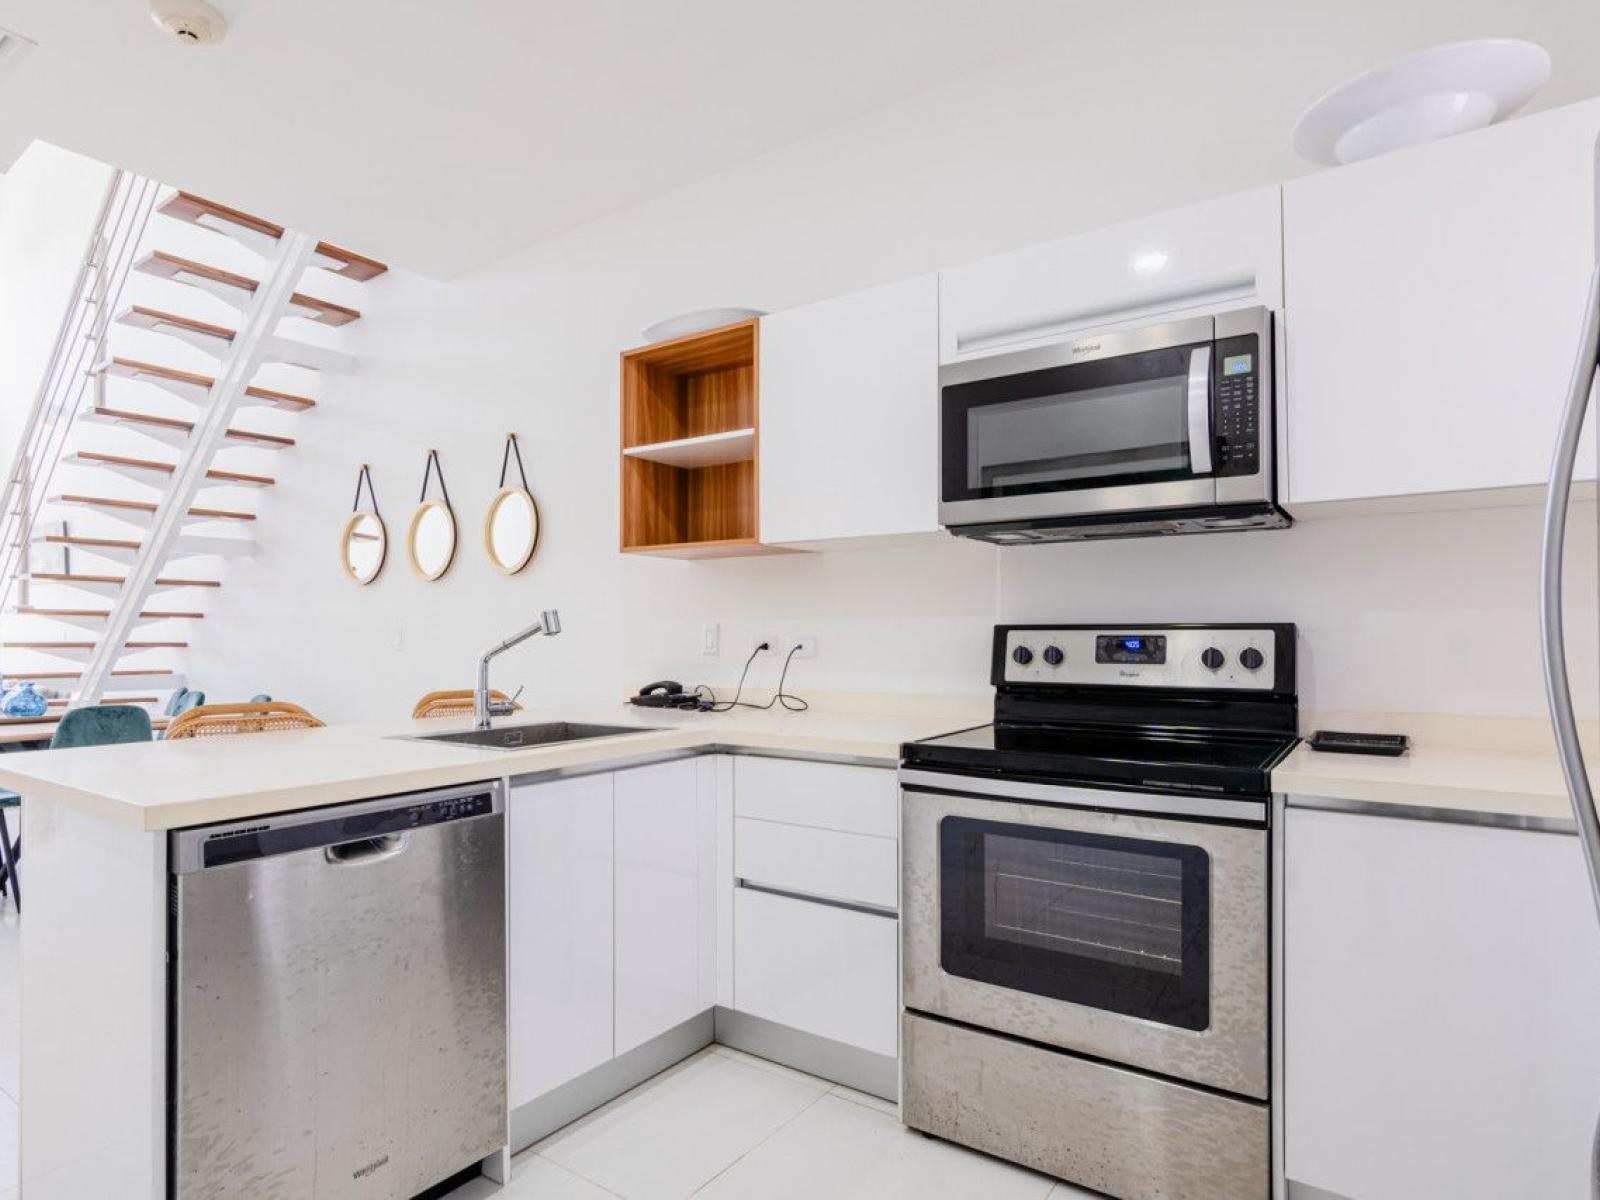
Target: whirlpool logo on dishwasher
[(363, 1172)]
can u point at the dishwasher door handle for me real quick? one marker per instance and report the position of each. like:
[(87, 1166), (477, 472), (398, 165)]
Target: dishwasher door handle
[(367, 850)]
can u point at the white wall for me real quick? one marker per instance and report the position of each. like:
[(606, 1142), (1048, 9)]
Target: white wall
[(530, 344)]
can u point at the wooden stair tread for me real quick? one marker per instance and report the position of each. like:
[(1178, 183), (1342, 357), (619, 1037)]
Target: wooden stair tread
[(72, 539), (146, 506), (142, 317), (150, 615), (79, 674), (58, 577), (149, 464), (186, 206), (170, 266), (91, 645), (137, 418), (132, 368)]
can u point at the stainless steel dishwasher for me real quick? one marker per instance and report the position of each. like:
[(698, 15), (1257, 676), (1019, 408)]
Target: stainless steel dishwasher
[(337, 1016)]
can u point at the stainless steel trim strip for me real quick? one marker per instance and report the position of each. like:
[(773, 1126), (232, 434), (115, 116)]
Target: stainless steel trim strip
[(184, 845), (865, 1070), (857, 906), (1093, 348), (601, 767), (1200, 410), (1552, 635), (1164, 804), (1131, 497), (1442, 816)]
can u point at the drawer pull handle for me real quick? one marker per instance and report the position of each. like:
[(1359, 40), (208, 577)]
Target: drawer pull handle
[(871, 910)]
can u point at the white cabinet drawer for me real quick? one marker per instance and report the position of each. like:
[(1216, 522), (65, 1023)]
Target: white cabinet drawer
[(817, 862), (815, 967), (821, 795)]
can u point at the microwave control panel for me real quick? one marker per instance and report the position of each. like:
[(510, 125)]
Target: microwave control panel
[(1238, 405)]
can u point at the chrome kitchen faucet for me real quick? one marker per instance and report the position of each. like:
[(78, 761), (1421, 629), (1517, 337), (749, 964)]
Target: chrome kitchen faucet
[(549, 624)]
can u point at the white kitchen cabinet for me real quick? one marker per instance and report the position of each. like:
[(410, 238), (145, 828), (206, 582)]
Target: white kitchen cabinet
[(818, 795), (1434, 297), (558, 933), (826, 970), (1224, 253), (665, 898), (849, 417), (1441, 985), (818, 862)]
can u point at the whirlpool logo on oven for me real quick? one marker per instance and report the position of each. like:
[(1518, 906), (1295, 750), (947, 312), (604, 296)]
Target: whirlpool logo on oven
[(375, 1164)]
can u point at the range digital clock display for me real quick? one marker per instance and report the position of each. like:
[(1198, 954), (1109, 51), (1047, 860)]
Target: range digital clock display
[(1130, 648)]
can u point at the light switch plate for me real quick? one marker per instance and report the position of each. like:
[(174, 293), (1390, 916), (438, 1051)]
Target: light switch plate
[(710, 639)]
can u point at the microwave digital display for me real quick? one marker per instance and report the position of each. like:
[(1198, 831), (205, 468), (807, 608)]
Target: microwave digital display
[(1238, 364), (1130, 648)]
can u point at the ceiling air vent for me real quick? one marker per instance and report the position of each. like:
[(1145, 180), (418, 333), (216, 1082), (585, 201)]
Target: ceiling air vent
[(13, 49)]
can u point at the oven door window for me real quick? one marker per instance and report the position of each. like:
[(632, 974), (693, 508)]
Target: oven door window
[(1120, 924), (1118, 421)]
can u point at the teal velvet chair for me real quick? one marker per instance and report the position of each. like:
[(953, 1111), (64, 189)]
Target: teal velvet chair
[(98, 725), (261, 698), (181, 701)]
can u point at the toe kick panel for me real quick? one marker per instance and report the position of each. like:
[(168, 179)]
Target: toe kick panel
[(1122, 1132)]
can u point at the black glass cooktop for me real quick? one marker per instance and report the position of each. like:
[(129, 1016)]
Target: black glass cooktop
[(1118, 756)]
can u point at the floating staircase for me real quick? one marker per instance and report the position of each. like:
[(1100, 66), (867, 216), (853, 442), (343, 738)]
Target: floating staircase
[(131, 510)]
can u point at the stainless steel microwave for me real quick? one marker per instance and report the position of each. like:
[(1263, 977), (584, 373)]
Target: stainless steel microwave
[(1159, 429)]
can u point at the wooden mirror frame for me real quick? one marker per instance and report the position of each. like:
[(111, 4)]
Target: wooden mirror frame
[(495, 505), (411, 539), (352, 522)]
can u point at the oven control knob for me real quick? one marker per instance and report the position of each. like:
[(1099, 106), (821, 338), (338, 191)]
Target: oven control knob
[(1213, 658), (1251, 659), (1053, 656), (1022, 656)]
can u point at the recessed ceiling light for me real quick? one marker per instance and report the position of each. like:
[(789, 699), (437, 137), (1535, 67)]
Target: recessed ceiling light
[(1430, 94), (1150, 262)]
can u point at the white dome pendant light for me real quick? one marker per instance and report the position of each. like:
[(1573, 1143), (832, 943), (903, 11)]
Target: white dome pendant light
[(1429, 94)]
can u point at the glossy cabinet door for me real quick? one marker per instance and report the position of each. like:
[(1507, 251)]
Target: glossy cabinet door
[(823, 969), (559, 932), (1442, 983), (849, 417), (665, 898), (1222, 253), (1434, 297)]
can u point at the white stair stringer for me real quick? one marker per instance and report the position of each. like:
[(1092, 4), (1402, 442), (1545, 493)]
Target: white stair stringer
[(261, 315)]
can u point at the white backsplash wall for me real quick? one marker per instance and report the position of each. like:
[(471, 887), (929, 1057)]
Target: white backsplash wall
[(989, 162), (1417, 612)]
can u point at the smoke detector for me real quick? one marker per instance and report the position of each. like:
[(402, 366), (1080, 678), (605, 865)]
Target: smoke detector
[(192, 22)]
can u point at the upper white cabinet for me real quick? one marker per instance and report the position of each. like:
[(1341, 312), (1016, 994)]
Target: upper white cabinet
[(665, 898), (1441, 992), (558, 933), (1434, 298), (849, 417), (1219, 254)]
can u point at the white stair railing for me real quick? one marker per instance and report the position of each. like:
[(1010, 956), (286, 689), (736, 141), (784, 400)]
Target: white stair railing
[(79, 346)]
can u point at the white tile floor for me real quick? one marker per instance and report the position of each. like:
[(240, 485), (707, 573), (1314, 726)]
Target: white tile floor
[(721, 1125)]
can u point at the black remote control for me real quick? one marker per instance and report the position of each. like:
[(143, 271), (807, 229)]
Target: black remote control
[(1334, 742)]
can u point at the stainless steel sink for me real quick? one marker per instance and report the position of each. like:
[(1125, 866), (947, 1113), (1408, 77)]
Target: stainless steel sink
[(520, 737)]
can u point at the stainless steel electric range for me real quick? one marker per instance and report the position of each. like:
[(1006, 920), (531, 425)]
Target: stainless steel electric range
[(1087, 908)]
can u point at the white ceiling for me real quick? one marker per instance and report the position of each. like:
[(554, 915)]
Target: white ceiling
[(443, 135)]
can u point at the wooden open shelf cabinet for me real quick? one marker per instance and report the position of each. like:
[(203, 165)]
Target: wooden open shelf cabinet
[(698, 386)]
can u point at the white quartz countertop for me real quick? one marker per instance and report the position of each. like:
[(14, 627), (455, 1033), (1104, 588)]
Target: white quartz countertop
[(1487, 771), (168, 785)]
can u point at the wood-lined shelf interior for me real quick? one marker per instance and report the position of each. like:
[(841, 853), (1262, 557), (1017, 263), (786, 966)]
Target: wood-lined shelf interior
[(689, 436)]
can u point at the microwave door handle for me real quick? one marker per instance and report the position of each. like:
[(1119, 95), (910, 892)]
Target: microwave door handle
[(1200, 410)]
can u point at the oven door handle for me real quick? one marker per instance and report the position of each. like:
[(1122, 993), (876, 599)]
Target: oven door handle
[(1200, 410)]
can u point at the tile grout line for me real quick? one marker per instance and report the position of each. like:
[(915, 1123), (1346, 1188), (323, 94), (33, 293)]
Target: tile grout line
[(777, 1129), (568, 1170)]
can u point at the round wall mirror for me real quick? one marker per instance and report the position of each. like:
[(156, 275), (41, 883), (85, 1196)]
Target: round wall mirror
[(511, 530), (431, 540), (363, 547)]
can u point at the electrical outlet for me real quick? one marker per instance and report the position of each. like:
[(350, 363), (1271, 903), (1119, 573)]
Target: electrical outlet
[(771, 639), (710, 639), (806, 642)]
